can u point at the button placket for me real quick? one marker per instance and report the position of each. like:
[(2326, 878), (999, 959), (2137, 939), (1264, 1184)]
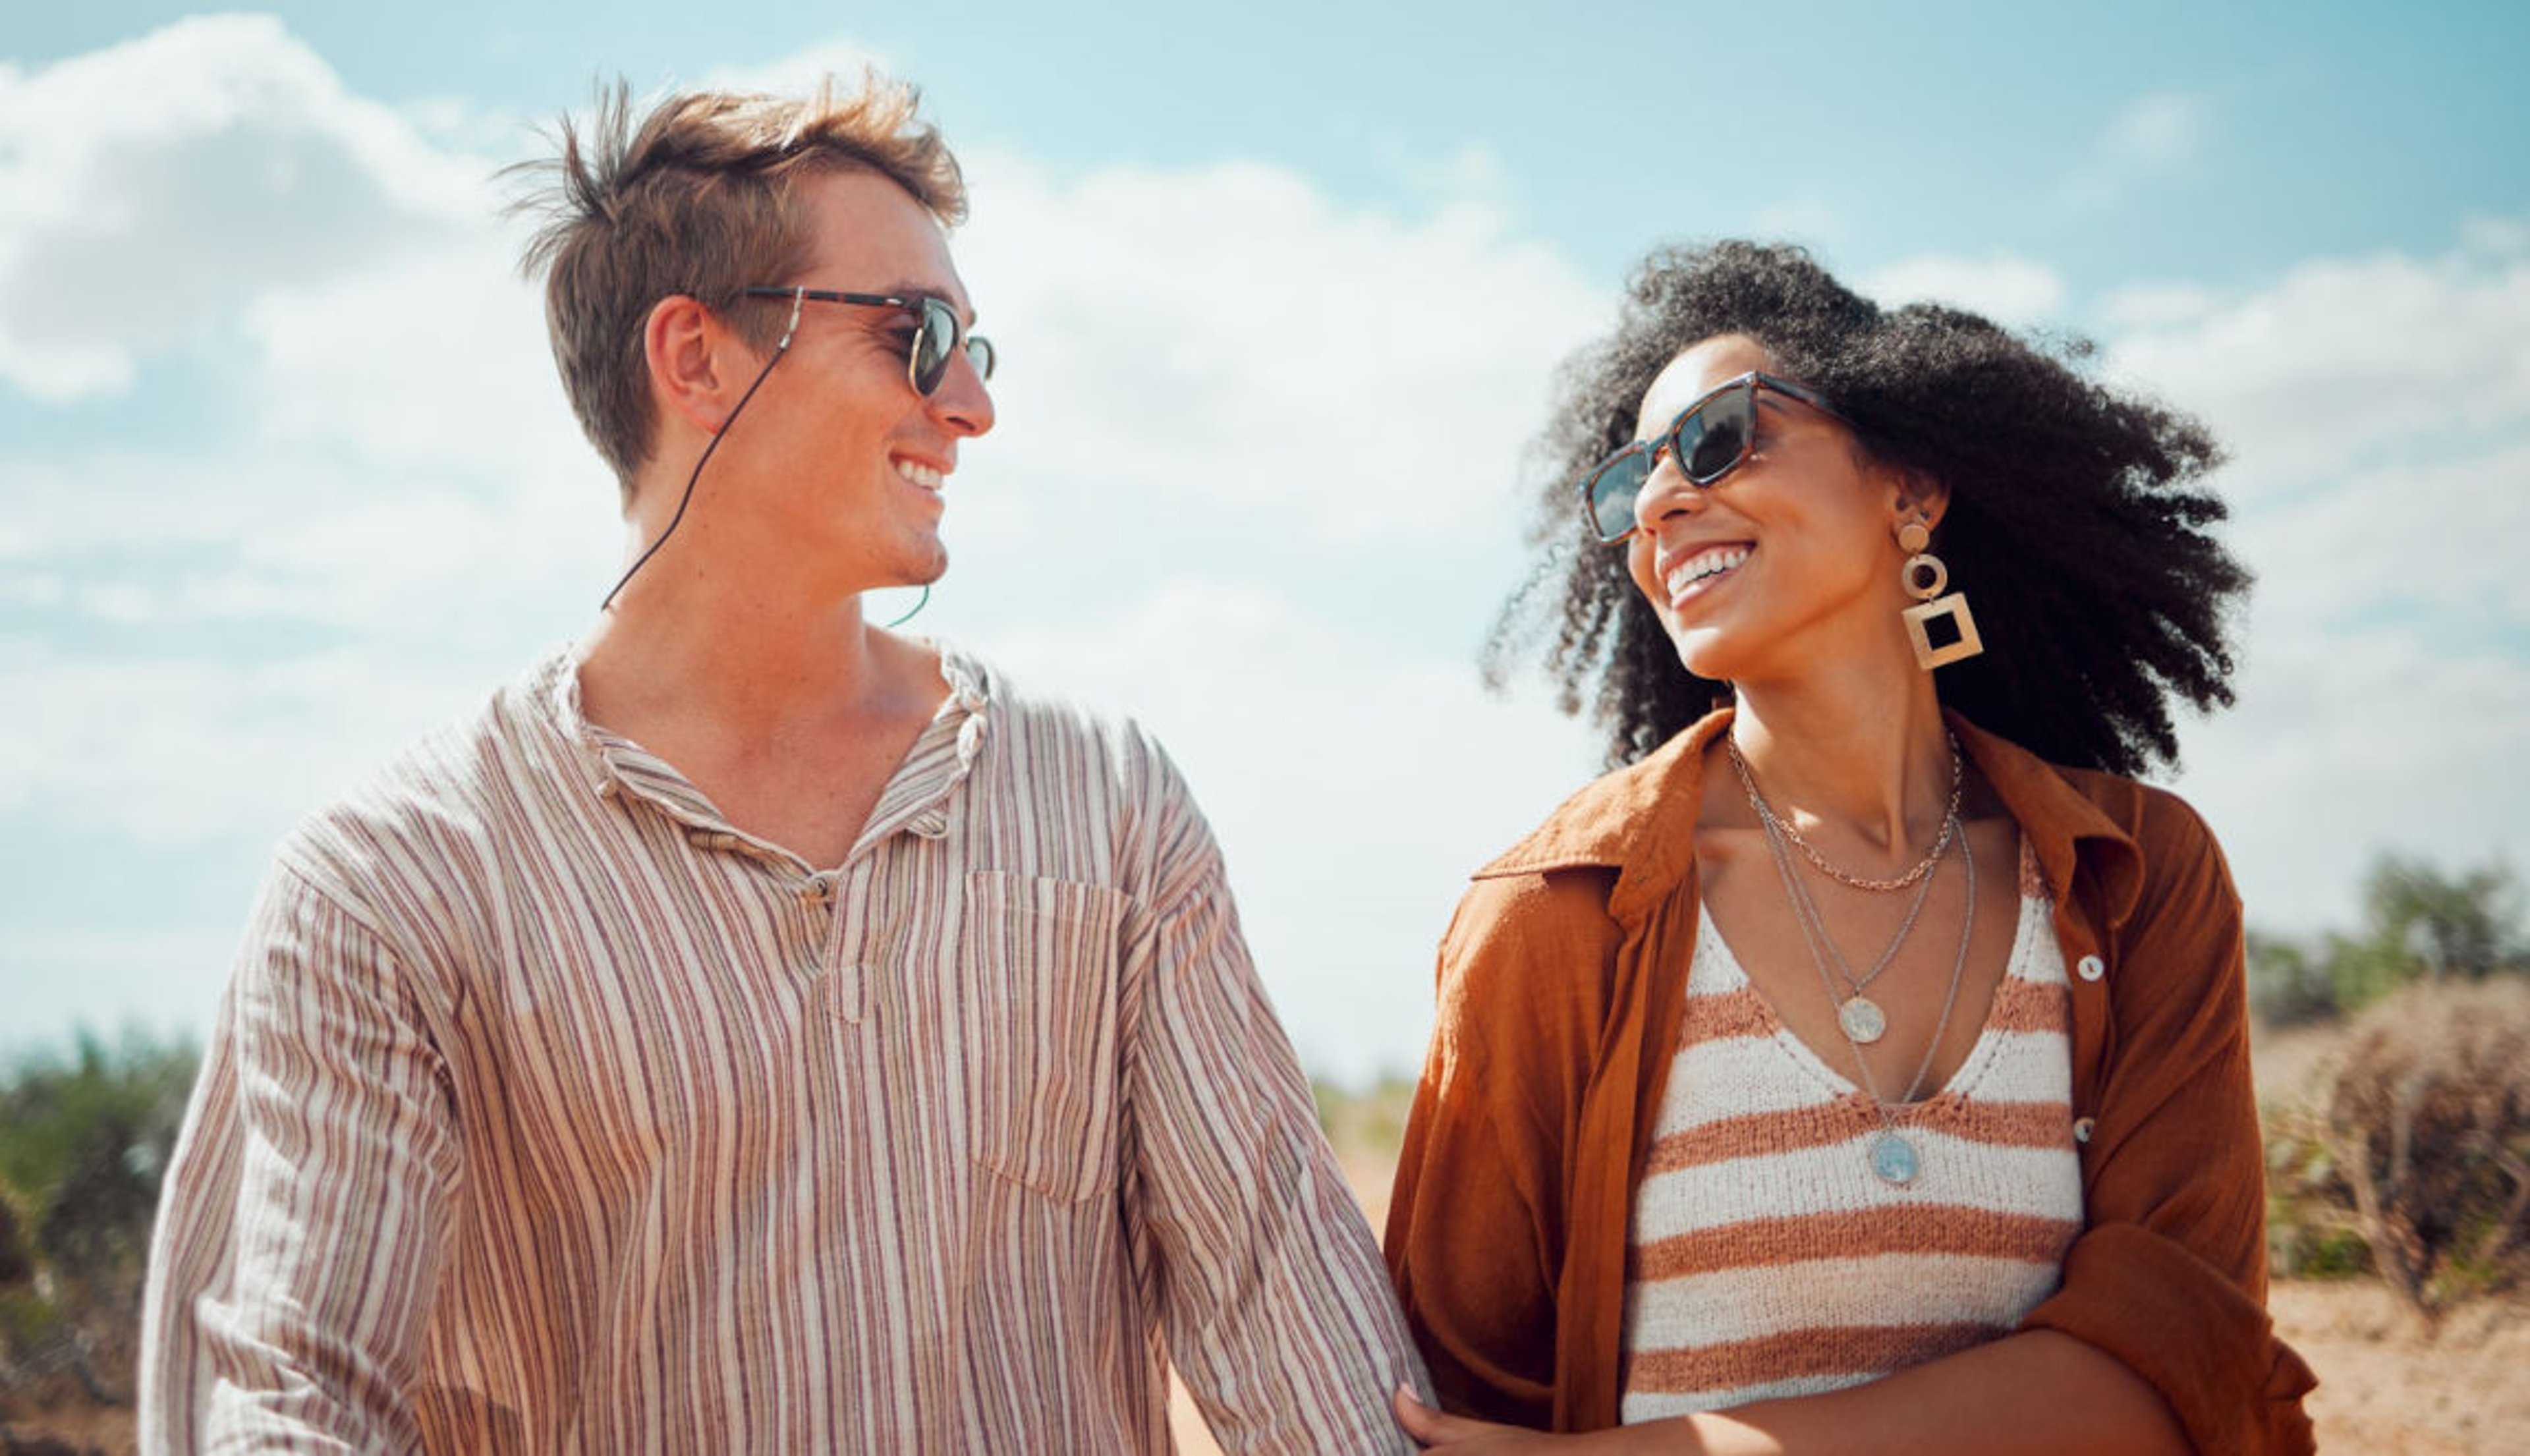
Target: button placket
[(843, 979)]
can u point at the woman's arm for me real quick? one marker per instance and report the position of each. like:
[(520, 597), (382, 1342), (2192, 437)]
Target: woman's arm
[(2041, 1393), (2169, 1276), (1476, 1231)]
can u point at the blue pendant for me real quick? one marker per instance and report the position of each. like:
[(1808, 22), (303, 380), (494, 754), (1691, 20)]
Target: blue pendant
[(1895, 1160)]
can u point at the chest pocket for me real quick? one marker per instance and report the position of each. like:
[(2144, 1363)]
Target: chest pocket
[(1036, 1013)]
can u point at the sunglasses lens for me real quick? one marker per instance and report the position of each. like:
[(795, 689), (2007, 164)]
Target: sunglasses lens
[(932, 341), (980, 352), (1611, 491), (1715, 437)]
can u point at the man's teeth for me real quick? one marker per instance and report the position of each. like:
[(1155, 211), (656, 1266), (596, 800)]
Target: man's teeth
[(1704, 564), (920, 474)]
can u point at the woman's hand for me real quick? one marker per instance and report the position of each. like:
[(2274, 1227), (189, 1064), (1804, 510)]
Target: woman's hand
[(1435, 1431), (1464, 1435), (1694, 1436)]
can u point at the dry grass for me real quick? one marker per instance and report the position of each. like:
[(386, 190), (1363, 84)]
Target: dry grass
[(2411, 1131)]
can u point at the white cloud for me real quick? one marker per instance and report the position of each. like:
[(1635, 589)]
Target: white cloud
[(1353, 784), (2151, 138), (2013, 290), (800, 73), (2344, 362), (2446, 539), (2352, 742), (431, 361), (108, 979), (1241, 378), (1228, 394), (1230, 335), (2498, 237), (2378, 412), (2139, 307), (155, 187), (169, 748)]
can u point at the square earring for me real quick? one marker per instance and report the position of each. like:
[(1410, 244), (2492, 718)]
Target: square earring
[(1957, 629)]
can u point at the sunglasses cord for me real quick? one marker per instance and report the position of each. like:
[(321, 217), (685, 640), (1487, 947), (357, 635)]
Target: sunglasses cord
[(906, 615), (797, 300)]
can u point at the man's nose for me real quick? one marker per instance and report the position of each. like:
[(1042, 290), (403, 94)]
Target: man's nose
[(962, 403)]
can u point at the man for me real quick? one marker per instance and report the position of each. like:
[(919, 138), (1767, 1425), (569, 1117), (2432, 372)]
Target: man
[(759, 1031)]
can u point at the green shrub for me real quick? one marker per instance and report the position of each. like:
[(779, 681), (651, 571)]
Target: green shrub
[(2288, 986), (82, 1144), (2419, 924)]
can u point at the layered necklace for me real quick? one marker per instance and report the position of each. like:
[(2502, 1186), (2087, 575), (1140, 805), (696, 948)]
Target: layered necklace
[(1895, 1157)]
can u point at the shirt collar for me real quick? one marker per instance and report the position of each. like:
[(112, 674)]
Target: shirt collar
[(609, 764), (1640, 820)]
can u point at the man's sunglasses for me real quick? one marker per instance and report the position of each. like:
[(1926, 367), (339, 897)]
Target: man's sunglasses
[(937, 333), (1708, 439)]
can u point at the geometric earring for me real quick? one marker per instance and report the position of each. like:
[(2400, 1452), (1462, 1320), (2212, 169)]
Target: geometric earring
[(1941, 628)]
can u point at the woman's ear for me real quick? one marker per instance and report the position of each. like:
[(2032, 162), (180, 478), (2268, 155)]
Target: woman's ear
[(690, 351), (1918, 495)]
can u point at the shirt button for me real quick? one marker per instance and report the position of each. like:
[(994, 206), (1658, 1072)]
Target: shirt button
[(2090, 968), (2082, 1129)]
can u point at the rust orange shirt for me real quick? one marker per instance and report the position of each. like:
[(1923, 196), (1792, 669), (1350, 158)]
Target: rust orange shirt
[(1562, 979)]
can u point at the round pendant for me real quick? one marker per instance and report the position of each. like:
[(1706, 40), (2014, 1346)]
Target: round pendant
[(1862, 1019), (1893, 1159)]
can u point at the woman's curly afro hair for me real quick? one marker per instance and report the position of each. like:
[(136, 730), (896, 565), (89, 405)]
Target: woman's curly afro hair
[(2078, 526)]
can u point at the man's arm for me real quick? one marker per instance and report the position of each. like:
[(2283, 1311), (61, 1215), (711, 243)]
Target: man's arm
[(1277, 1310), (299, 1235)]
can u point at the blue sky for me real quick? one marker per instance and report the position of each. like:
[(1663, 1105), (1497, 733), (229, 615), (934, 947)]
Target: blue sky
[(284, 478)]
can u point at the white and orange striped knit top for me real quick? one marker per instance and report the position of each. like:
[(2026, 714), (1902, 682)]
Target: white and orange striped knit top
[(1767, 1260)]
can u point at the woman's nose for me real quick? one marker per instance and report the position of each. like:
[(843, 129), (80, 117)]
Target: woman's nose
[(1666, 492)]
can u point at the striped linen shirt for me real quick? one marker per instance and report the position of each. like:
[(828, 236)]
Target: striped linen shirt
[(549, 1111), (1768, 1259)]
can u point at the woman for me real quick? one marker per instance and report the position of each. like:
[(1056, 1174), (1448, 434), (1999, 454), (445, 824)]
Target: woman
[(1862, 1067)]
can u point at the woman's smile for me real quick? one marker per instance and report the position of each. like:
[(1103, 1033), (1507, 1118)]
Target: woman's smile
[(1701, 570)]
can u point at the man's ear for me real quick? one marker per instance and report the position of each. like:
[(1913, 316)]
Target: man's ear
[(692, 354)]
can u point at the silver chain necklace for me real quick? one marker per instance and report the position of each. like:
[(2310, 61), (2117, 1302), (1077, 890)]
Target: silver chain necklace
[(1895, 1159), (1842, 876), (1859, 1015)]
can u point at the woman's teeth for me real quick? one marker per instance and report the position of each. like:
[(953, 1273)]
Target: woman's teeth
[(1704, 564)]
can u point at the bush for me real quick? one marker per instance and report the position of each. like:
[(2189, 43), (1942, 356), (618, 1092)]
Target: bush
[(2419, 924), (82, 1147), (2419, 1147), (2288, 986)]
